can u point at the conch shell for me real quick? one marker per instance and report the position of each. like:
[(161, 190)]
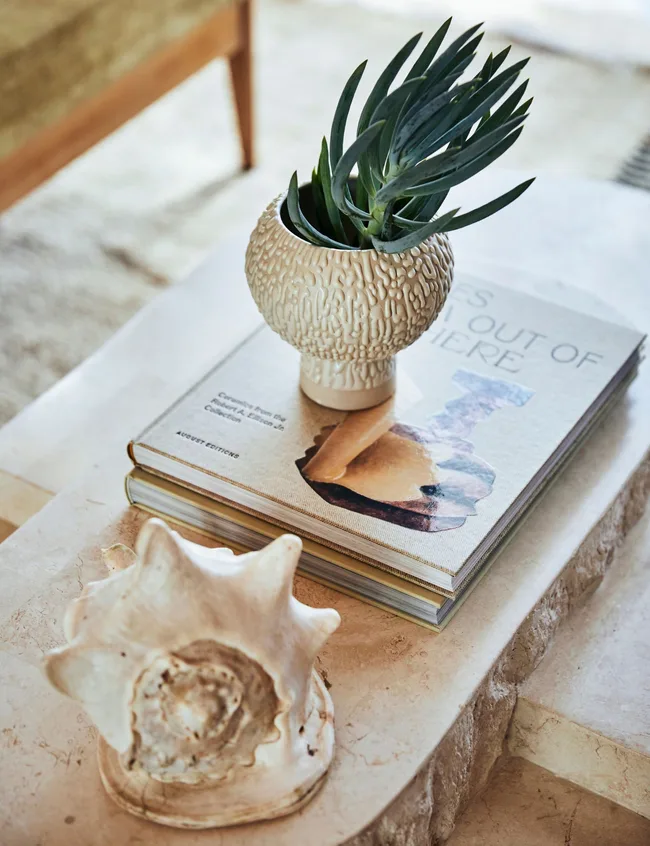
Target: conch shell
[(196, 666)]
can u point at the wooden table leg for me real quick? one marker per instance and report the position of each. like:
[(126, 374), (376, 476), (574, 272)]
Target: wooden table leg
[(226, 33), (241, 74)]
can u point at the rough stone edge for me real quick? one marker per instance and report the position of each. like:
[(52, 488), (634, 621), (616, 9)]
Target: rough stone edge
[(426, 810), (607, 768)]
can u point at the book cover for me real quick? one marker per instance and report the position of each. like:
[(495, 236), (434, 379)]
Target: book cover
[(426, 483)]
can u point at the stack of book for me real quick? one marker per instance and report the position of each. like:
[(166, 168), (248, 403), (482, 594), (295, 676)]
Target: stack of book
[(403, 505)]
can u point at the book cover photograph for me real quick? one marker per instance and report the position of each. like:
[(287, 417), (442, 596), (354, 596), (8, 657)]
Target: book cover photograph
[(489, 403), (424, 478)]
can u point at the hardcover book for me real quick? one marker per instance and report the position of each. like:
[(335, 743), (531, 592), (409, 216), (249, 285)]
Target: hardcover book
[(408, 500)]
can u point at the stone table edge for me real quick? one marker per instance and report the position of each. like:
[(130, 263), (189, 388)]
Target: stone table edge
[(482, 725)]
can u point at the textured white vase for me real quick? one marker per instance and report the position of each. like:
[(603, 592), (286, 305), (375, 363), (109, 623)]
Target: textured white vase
[(347, 311)]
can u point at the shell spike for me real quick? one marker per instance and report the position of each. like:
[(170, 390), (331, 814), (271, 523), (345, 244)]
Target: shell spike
[(321, 623), (92, 675), (276, 565), (162, 558), (155, 538)]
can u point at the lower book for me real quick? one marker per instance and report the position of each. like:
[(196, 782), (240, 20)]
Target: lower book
[(243, 532)]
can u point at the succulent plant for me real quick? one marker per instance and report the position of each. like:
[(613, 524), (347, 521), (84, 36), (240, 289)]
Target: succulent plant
[(413, 144)]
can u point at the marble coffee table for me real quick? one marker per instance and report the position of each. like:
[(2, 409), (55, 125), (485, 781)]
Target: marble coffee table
[(420, 718)]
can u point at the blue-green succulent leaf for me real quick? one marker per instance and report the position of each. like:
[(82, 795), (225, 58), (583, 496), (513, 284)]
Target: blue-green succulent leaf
[(443, 183), (360, 196), (478, 143), (407, 223), (479, 102), (384, 82), (442, 64), (303, 226), (413, 239), (425, 93), (523, 108), (337, 132), (325, 176), (418, 173), (389, 110), (424, 142), (499, 59), (509, 104), (422, 209), (393, 102), (343, 169), (490, 208), (322, 221), (443, 81), (462, 59), (369, 182), (423, 122), (429, 53)]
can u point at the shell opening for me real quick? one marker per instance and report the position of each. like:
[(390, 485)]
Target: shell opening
[(200, 712)]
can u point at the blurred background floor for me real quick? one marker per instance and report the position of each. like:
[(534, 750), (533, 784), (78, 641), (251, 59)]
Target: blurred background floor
[(600, 30), (81, 254)]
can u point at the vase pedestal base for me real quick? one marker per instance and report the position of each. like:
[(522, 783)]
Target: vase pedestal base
[(347, 385)]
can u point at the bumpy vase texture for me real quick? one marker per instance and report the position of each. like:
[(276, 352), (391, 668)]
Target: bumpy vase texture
[(347, 311)]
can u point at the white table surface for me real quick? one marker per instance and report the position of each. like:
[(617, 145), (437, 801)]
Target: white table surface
[(398, 689)]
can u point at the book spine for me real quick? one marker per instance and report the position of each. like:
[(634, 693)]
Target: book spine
[(130, 452)]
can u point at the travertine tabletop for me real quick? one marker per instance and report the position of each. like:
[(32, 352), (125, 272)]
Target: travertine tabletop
[(585, 713), (420, 718)]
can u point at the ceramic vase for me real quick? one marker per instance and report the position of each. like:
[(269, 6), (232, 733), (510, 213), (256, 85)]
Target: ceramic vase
[(348, 312)]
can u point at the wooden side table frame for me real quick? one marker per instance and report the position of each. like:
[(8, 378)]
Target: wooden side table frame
[(226, 34)]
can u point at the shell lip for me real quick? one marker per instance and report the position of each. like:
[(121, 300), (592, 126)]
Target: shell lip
[(272, 789)]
